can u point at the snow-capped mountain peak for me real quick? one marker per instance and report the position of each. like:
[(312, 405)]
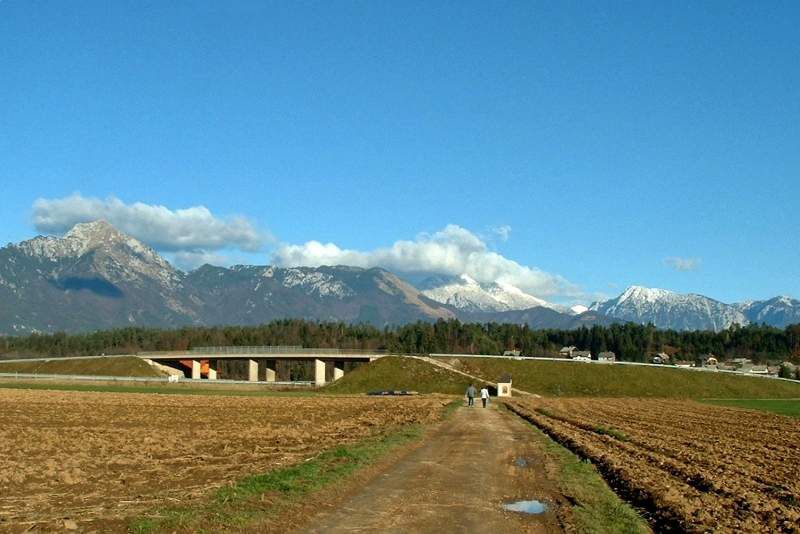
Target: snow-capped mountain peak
[(645, 294), (466, 293), (467, 279), (667, 309), (116, 255), (777, 311)]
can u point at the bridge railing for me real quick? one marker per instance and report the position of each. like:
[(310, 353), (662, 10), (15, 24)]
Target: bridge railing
[(278, 350)]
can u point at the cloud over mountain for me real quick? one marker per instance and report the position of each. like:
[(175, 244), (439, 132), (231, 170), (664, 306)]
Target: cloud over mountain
[(191, 230), (683, 264), (194, 235), (453, 250)]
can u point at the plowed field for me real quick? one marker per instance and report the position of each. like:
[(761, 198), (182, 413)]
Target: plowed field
[(97, 458), (694, 467)]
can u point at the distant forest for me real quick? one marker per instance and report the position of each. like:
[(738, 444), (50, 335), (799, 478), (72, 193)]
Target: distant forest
[(630, 342)]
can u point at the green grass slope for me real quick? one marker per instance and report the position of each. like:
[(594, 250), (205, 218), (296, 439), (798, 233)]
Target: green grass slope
[(124, 366), (571, 379), (394, 372)]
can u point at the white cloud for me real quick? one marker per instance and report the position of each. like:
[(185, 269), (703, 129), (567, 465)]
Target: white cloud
[(502, 232), (193, 229), (683, 264), (453, 250)]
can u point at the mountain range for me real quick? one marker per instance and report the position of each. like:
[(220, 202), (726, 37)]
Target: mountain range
[(96, 277)]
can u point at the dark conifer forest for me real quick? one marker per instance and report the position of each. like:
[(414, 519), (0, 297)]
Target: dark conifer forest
[(630, 342)]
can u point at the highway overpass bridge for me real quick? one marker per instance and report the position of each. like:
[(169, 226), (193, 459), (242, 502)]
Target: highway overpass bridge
[(262, 362)]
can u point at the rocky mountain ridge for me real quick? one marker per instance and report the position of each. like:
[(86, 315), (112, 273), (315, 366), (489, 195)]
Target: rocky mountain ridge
[(668, 309), (97, 277)]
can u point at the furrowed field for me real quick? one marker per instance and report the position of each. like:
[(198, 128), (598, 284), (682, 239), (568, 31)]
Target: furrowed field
[(695, 467), (101, 458)]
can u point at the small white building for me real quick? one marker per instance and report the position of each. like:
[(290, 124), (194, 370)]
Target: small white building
[(607, 357), (504, 386), (566, 352), (582, 355), (514, 353)]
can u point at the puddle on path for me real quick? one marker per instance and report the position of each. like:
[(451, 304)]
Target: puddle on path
[(526, 507), (521, 462)]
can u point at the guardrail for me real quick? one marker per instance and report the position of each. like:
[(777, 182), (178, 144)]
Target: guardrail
[(165, 379)]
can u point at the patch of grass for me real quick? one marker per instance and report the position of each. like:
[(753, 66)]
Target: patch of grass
[(789, 407), (256, 498), (611, 431), (596, 509), (398, 373), (547, 413), (576, 379), (118, 366)]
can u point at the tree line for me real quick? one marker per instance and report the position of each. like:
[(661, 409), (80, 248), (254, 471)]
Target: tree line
[(630, 342)]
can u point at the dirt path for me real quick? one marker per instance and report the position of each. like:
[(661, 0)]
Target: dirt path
[(456, 482)]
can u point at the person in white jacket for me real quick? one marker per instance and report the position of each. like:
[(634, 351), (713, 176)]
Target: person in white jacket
[(484, 396)]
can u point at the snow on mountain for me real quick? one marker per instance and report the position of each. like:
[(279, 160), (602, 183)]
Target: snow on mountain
[(98, 277), (467, 294), (777, 311), (114, 254), (315, 282), (578, 309), (666, 309)]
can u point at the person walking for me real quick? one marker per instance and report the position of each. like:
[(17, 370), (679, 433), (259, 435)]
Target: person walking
[(471, 391), (484, 395)]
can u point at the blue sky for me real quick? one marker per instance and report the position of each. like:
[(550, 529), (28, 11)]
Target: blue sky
[(622, 143)]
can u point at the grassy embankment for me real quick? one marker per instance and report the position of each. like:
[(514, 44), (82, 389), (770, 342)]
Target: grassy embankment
[(576, 379), (561, 379), (789, 407), (122, 366), (398, 373)]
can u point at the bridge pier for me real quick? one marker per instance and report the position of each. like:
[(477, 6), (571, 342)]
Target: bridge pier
[(196, 370), (212, 369), (338, 370), (252, 370), (271, 372), (319, 372)]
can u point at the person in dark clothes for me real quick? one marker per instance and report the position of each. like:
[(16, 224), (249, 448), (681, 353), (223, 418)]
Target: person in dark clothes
[(471, 392)]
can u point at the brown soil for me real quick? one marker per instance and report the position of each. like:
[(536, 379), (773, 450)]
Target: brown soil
[(696, 468), (96, 459), (456, 481)]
